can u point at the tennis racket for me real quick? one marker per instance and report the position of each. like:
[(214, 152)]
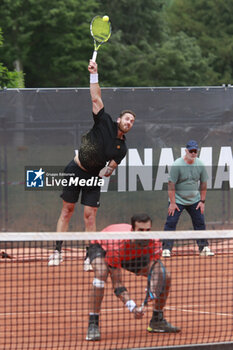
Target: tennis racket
[(156, 282), (101, 31)]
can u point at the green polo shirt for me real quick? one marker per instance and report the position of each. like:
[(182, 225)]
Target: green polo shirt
[(186, 178)]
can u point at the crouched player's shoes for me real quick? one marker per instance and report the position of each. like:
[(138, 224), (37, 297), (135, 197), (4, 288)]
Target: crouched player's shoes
[(206, 252), (166, 253), (93, 332), (55, 259), (162, 326), (87, 265)]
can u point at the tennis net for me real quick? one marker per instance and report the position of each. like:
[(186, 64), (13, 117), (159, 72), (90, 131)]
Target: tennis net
[(47, 307)]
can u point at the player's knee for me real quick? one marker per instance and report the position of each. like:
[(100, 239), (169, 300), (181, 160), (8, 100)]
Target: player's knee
[(100, 268), (170, 224), (67, 211), (90, 217), (98, 283), (200, 226)]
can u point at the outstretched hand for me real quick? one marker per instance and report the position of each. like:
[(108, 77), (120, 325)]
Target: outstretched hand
[(92, 67)]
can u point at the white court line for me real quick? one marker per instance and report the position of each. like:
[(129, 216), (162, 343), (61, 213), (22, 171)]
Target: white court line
[(3, 314), (199, 312), (171, 308)]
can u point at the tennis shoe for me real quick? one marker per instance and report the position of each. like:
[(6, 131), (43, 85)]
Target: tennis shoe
[(162, 326), (87, 265), (206, 252), (93, 332), (166, 253), (55, 259)]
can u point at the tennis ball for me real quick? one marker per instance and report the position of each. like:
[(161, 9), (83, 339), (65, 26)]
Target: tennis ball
[(105, 18)]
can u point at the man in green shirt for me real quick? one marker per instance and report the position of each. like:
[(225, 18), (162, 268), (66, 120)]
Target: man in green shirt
[(183, 192)]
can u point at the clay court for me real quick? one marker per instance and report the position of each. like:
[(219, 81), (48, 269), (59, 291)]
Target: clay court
[(47, 308)]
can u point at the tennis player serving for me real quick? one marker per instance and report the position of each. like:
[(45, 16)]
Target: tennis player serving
[(141, 257), (101, 150)]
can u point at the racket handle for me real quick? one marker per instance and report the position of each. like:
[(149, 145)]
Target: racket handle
[(142, 307), (94, 56)]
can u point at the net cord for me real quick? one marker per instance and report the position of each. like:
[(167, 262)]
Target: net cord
[(84, 236)]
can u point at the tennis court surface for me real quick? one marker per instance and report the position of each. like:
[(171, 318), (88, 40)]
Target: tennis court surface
[(47, 307)]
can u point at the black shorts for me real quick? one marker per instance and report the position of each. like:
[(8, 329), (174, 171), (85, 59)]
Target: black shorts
[(133, 265), (137, 264), (90, 194), (95, 250)]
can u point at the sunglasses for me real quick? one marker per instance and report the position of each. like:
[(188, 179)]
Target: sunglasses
[(193, 151)]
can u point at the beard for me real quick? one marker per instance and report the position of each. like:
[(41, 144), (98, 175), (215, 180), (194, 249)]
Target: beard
[(121, 128)]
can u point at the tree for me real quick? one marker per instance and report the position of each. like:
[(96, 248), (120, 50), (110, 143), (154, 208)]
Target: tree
[(143, 51), (139, 21), (49, 40), (211, 24), (138, 31), (9, 79), (178, 61), (153, 42)]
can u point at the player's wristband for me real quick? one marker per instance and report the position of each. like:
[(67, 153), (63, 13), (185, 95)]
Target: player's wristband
[(94, 78), (106, 171), (130, 305)]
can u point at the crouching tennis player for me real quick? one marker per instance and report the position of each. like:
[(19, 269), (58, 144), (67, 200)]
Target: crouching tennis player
[(137, 256)]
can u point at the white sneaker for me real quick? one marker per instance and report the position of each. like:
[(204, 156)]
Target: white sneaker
[(55, 259), (87, 265), (166, 253), (206, 252)]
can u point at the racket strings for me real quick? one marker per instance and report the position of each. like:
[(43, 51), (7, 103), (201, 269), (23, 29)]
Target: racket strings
[(157, 283), (100, 30)]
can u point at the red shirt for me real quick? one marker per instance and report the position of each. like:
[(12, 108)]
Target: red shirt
[(125, 250)]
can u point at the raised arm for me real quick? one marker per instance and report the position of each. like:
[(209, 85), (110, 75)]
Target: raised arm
[(97, 103)]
